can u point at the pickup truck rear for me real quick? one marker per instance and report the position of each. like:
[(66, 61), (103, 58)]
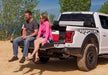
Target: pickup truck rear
[(82, 35)]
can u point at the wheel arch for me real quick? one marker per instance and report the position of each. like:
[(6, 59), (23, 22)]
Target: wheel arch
[(91, 38)]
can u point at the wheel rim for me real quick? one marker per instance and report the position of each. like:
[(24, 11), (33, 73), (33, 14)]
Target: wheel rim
[(91, 56)]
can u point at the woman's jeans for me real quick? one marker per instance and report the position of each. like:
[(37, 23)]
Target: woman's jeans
[(26, 45)]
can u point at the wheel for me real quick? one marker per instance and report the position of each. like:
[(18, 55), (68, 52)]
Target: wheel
[(44, 59), (89, 59), (62, 58)]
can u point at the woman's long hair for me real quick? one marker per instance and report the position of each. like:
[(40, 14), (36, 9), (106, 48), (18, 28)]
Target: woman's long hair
[(44, 16)]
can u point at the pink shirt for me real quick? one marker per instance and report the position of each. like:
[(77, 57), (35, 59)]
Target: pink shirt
[(45, 30)]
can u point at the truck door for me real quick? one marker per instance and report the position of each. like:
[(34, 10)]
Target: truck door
[(104, 34)]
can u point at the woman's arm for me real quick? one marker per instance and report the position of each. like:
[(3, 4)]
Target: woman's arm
[(47, 32), (39, 33)]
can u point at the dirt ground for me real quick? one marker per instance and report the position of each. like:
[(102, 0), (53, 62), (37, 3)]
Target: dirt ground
[(53, 67)]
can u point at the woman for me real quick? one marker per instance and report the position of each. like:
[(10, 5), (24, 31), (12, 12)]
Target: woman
[(46, 33)]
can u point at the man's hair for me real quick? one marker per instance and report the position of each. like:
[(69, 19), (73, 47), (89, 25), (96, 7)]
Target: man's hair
[(30, 13)]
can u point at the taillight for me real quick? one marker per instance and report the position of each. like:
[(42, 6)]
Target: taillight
[(21, 32), (69, 36), (22, 29)]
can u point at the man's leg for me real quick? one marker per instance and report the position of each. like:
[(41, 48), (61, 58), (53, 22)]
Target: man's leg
[(15, 45), (26, 46), (15, 48)]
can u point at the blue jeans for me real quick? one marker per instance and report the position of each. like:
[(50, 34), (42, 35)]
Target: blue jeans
[(50, 41), (26, 45)]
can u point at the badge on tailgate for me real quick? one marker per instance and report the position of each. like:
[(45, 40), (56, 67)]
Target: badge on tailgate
[(59, 45)]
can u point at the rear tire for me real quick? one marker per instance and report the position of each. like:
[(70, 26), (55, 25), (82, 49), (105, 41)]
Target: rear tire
[(89, 59), (62, 58), (44, 59)]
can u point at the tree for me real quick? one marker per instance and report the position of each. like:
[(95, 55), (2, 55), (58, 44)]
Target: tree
[(75, 5), (12, 15), (45, 12), (52, 16), (37, 17), (104, 8)]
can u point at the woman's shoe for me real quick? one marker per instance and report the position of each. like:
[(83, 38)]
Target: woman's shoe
[(29, 59), (36, 60)]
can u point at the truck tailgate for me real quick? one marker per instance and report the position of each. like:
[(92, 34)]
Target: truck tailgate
[(46, 46)]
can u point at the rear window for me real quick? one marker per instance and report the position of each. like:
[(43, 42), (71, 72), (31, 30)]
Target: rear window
[(77, 17)]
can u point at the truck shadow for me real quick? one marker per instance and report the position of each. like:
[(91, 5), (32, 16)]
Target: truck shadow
[(103, 60), (56, 66), (52, 65)]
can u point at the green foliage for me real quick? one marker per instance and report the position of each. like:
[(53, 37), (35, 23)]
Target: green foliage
[(45, 12), (12, 15), (52, 16), (104, 8), (37, 15), (75, 5)]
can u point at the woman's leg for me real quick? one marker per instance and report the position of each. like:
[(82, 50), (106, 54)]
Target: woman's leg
[(37, 43), (36, 47)]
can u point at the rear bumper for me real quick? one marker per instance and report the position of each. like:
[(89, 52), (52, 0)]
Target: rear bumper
[(69, 50), (56, 48), (73, 51)]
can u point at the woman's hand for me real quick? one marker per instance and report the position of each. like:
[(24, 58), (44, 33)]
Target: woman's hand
[(43, 44)]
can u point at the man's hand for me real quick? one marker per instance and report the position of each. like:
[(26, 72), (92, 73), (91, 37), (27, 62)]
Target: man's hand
[(25, 37)]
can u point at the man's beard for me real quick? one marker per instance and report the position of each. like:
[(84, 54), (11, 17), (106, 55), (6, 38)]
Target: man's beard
[(28, 19)]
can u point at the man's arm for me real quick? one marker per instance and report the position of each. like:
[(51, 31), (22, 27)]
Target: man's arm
[(34, 34), (24, 32), (35, 31)]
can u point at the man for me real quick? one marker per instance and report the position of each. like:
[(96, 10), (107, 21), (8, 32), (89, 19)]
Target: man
[(29, 33)]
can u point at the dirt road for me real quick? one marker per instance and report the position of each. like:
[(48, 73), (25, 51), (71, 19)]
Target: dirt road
[(53, 67)]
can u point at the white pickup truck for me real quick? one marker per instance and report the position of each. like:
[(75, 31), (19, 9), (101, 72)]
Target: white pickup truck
[(83, 35)]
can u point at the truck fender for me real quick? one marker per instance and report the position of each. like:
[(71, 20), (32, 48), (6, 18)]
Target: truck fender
[(91, 38)]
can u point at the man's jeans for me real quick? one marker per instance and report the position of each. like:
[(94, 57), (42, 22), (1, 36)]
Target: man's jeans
[(26, 45)]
